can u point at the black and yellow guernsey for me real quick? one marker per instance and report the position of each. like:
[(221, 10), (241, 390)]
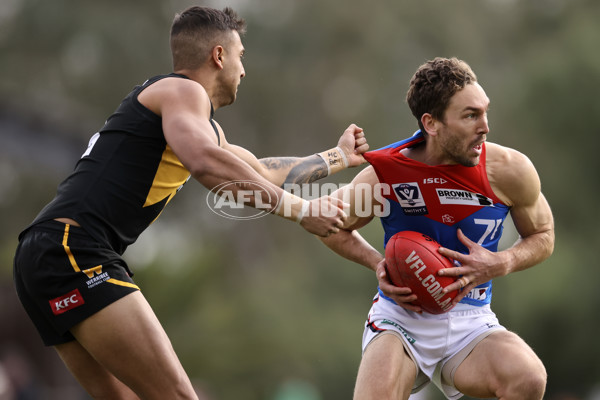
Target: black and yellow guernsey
[(126, 177)]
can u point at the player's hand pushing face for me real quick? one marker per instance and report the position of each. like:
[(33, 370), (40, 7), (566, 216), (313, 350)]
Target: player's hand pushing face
[(325, 216)]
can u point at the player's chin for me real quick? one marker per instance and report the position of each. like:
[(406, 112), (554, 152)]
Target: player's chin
[(471, 161), (231, 98)]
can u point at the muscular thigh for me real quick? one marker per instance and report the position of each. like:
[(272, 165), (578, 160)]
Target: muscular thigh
[(127, 339), (493, 362), (386, 370)]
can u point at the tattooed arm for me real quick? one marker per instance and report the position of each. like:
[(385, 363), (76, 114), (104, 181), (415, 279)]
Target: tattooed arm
[(298, 170)]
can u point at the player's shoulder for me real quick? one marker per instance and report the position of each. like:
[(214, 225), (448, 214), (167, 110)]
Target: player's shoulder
[(366, 176), (177, 87), (174, 92), (511, 174), (505, 160)]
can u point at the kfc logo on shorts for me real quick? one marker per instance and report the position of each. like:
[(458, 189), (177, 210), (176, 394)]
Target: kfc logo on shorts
[(67, 302)]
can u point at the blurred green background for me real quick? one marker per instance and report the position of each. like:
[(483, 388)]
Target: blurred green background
[(260, 310)]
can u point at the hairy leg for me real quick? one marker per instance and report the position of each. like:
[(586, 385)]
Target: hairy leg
[(503, 366), (127, 341), (386, 371)]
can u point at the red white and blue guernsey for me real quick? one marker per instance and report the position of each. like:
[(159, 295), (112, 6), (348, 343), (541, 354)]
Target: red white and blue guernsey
[(438, 200)]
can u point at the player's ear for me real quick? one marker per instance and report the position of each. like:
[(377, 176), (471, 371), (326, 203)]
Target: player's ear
[(217, 56), (429, 123)]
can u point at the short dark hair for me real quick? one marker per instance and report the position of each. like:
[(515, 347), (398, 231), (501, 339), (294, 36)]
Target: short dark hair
[(434, 84), (196, 30)]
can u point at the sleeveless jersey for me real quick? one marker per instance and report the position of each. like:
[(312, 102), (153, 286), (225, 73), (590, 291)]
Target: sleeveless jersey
[(437, 200), (125, 178)]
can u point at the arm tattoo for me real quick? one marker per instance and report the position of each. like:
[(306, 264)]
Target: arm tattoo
[(278, 162), (305, 170)]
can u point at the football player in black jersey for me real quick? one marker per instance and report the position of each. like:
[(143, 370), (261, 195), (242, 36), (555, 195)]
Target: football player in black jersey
[(68, 268)]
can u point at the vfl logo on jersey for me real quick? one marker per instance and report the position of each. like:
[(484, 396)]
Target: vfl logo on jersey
[(463, 197), (410, 198), (66, 302)]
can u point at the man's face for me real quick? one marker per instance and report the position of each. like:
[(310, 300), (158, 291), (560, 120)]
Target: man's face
[(465, 126), (233, 69)]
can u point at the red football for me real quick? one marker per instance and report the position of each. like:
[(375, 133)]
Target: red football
[(413, 261)]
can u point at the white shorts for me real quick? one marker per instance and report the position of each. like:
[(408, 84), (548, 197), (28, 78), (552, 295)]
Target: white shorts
[(438, 344)]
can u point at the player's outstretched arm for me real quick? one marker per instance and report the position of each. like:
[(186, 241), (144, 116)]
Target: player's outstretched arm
[(185, 110), (363, 206), (297, 170), (347, 242)]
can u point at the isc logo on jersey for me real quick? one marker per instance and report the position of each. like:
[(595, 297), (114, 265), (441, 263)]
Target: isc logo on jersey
[(462, 197), (440, 181)]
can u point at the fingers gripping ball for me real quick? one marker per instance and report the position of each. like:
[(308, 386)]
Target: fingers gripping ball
[(413, 261)]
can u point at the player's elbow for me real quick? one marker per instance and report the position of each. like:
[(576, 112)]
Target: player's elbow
[(546, 244), (549, 242), (206, 165), (200, 171)]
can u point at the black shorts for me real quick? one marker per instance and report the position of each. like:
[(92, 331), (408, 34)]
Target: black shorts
[(63, 276)]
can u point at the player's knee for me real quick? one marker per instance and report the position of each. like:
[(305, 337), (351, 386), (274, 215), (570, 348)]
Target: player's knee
[(170, 386), (376, 392), (535, 383), (112, 393), (530, 385), (180, 390), (377, 388)]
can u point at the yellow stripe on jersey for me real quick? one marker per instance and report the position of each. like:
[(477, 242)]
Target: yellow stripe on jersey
[(170, 176), (122, 283), (68, 249)]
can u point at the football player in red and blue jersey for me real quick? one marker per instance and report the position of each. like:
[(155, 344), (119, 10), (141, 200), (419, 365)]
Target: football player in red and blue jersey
[(448, 182)]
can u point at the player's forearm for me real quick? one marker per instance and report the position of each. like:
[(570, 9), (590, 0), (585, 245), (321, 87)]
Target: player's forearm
[(218, 166), (530, 251), (299, 170), (352, 246), (294, 170)]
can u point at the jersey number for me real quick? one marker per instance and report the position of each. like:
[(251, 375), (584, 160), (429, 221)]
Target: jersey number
[(491, 227), (91, 144)]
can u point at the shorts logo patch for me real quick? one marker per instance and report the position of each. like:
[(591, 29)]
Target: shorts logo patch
[(67, 302), (96, 276), (90, 272), (410, 339), (98, 279)]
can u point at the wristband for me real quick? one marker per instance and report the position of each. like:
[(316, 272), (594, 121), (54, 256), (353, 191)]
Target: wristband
[(335, 159), (292, 207)]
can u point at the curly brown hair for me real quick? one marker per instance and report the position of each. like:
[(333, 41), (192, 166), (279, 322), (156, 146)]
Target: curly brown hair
[(196, 30), (434, 84)]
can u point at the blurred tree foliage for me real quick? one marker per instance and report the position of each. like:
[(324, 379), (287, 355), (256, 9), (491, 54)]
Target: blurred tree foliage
[(261, 310)]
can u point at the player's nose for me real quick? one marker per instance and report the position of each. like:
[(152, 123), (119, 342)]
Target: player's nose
[(484, 125)]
